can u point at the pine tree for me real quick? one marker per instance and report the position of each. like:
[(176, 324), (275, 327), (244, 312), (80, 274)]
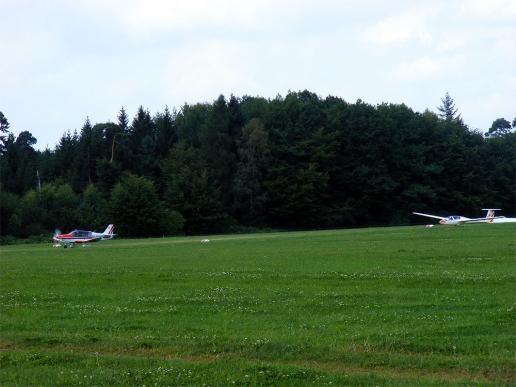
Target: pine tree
[(216, 147), (142, 138), (4, 129), (66, 152), (190, 191), (250, 196), (117, 137), (447, 110), (84, 159), (123, 120), (166, 131)]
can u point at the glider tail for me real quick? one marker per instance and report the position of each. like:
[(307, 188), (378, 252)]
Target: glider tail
[(490, 212)]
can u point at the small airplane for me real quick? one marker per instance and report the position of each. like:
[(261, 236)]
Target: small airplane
[(457, 219), (82, 237)]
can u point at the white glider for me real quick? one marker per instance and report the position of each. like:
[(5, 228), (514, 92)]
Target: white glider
[(457, 219)]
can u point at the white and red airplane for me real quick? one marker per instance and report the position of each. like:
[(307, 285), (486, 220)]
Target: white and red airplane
[(457, 219), (81, 237)]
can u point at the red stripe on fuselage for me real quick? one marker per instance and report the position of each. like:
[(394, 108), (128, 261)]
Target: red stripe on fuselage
[(76, 240), (86, 240)]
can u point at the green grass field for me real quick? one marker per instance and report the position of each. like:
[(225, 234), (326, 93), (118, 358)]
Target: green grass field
[(383, 306)]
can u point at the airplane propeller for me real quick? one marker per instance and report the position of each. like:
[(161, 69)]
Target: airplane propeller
[(56, 232)]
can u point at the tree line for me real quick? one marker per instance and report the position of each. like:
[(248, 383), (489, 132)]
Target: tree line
[(293, 162)]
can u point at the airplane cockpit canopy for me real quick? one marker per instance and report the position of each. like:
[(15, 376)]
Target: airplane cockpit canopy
[(81, 233), (454, 217)]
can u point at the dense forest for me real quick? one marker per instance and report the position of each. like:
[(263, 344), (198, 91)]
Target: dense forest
[(293, 162)]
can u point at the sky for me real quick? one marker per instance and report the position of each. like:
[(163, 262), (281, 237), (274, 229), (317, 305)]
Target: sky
[(64, 60)]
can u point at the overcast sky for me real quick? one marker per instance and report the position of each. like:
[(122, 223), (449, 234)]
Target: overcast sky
[(62, 61)]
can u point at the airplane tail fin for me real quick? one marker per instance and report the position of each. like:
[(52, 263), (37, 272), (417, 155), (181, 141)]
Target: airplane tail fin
[(490, 212), (109, 229), (490, 215)]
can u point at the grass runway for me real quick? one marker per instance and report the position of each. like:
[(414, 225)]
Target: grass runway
[(378, 306)]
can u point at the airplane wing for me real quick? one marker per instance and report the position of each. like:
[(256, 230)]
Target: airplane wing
[(429, 216)]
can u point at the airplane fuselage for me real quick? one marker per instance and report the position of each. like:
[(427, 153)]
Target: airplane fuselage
[(453, 220)]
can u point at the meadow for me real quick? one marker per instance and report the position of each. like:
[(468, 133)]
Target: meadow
[(377, 306)]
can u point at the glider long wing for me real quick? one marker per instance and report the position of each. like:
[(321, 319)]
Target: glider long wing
[(428, 216)]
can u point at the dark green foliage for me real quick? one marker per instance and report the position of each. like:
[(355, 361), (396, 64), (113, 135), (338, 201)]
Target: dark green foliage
[(190, 191), (9, 218), (217, 147), (54, 207), (302, 150), (500, 127), (123, 120), (19, 163), (62, 206), (4, 129), (84, 159), (4, 123), (189, 122), (172, 222), (254, 160), (143, 145), (166, 132), (137, 210), (93, 210), (499, 166), (448, 110), (298, 161), (64, 158), (108, 173), (118, 141)]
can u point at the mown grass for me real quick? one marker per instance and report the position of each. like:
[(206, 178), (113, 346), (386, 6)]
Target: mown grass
[(382, 306)]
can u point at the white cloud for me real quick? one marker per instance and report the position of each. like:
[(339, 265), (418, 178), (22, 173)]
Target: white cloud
[(488, 10), (418, 69), (141, 19), (200, 72), (145, 15), (410, 25), (455, 41)]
